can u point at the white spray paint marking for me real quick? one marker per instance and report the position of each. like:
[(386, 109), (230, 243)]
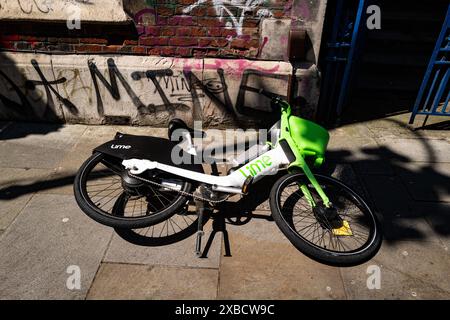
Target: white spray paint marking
[(222, 11)]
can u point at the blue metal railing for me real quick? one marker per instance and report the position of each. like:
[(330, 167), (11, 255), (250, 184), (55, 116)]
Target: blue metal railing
[(434, 93)]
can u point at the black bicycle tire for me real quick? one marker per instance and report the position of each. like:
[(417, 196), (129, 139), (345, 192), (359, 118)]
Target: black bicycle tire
[(314, 252), (115, 221)]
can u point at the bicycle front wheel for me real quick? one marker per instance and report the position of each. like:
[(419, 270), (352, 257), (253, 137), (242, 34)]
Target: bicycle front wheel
[(351, 237)]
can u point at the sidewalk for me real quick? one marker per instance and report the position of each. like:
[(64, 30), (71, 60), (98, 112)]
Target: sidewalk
[(404, 173)]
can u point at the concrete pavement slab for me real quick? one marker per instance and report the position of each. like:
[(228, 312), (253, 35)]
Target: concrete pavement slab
[(438, 216), (409, 270), (398, 127), (17, 186), (345, 173), (389, 194), (64, 174), (347, 143), (426, 181), (400, 219), (32, 145), (377, 160), (50, 235), (143, 130), (106, 133), (180, 254), (265, 265), (265, 206), (418, 150), (408, 228), (126, 281)]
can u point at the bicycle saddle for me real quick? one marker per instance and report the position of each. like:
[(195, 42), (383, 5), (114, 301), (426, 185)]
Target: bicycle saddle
[(177, 123)]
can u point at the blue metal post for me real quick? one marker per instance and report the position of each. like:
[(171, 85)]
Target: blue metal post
[(435, 62), (348, 68)]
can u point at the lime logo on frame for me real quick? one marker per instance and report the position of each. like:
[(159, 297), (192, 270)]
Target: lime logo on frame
[(255, 167)]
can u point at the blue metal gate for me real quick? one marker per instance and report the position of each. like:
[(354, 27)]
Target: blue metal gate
[(342, 50), (434, 93)]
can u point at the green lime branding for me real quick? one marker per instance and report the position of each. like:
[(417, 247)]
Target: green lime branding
[(256, 166)]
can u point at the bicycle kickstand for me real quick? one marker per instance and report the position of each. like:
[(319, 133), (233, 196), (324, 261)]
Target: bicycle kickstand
[(218, 225), (200, 207)]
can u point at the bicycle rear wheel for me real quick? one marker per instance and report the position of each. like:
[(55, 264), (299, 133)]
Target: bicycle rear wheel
[(106, 193), (178, 227), (346, 235)]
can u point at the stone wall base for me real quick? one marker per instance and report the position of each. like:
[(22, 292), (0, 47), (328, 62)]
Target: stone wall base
[(139, 90)]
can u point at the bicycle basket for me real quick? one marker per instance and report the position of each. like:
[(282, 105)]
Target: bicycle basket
[(311, 138)]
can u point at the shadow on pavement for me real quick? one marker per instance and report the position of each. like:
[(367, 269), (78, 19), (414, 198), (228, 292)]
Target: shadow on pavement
[(16, 189), (19, 130), (445, 125)]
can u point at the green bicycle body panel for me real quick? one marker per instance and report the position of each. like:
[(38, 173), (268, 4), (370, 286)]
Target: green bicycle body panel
[(311, 139), (306, 139)]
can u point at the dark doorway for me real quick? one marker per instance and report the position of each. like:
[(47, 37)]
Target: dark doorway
[(390, 63)]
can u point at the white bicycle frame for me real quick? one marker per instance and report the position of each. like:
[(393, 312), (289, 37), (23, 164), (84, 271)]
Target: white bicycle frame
[(268, 163)]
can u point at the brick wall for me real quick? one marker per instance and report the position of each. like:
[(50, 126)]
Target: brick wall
[(185, 28), (193, 28)]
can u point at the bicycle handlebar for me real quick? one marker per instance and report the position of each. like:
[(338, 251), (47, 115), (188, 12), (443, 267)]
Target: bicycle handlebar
[(276, 99), (269, 95)]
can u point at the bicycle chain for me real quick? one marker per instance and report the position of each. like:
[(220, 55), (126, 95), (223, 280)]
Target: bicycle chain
[(184, 193)]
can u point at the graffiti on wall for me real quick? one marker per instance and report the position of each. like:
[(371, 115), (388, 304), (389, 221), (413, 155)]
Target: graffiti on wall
[(27, 7), (154, 96), (230, 13), (90, 10), (224, 13)]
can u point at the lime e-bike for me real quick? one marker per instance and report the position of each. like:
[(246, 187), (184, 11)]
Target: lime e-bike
[(133, 182)]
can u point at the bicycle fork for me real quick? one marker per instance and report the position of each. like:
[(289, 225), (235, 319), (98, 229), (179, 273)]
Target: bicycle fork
[(304, 188), (327, 215)]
